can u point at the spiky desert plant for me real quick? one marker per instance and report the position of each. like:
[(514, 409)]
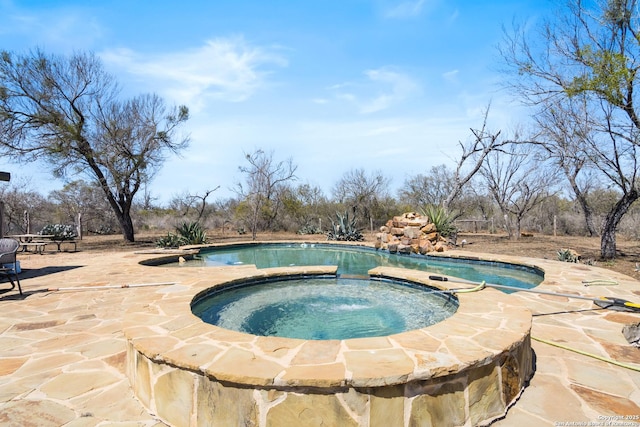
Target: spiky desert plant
[(192, 233), (442, 219), (344, 229)]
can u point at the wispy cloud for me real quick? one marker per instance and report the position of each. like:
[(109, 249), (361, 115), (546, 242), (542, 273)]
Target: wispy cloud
[(389, 88), (228, 69), (53, 28), (451, 76), (405, 9)]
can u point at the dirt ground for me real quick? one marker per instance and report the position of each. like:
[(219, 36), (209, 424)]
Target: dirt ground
[(536, 246)]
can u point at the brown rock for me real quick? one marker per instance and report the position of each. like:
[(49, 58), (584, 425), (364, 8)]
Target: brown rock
[(425, 246), (429, 228), (432, 236), (412, 232), (397, 231), (404, 249)]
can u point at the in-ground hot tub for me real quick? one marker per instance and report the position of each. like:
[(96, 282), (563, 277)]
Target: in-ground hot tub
[(464, 370), (323, 307)]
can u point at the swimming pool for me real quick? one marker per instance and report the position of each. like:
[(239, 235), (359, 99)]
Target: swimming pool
[(358, 260)]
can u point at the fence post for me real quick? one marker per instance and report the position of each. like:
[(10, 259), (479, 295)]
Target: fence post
[(27, 222), (79, 225)]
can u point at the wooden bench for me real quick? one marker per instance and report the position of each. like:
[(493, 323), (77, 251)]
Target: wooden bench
[(71, 242), (38, 246)]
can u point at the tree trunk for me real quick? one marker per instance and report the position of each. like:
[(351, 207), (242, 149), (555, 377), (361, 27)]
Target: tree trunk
[(584, 205), (611, 222), (127, 227)]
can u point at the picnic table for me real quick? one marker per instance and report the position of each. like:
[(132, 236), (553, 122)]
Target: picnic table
[(39, 241)]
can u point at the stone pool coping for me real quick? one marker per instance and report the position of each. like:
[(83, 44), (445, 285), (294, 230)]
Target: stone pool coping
[(477, 362), (482, 327), (62, 354)]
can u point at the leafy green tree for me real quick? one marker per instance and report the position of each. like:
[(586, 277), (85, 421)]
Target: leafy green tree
[(66, 111)]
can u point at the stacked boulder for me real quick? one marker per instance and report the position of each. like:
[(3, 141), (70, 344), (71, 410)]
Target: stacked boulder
[(410, 233)]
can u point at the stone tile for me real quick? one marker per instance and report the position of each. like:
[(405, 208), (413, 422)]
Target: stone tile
[(35, 413), (387, 408), (444, 405), (331, 375), (46, 363), (10, 365), (220, 405), (605, 403), (193, 356), (71, 384), (485, 394), (368, 343), (417, 340), (314, 410), (236, 364), (546, 397), (378, 367), (31, 327), (317, 352), (173, 394)]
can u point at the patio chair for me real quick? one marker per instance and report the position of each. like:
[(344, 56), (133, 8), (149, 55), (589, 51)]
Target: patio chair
[(8, 262)]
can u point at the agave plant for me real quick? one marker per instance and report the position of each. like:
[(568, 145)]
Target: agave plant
[(187, 234), (169, 241), (192, 233), (344, 229), (442, 220), (568, 255)]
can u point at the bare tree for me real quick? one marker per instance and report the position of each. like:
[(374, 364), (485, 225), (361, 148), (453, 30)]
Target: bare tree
[(591, 49), (517, 182), (20, 198), (565, 135), (87, 200), (474, 153), (66, 110), (193, 202), (430, 189), (264, 179), (362, 191)]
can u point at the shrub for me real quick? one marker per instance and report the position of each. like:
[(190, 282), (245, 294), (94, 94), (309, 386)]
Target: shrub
[(169, 241), (310, 229), (568, 255), (59, 231)]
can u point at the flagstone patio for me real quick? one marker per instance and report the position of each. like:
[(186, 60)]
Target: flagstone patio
[(63, 353)]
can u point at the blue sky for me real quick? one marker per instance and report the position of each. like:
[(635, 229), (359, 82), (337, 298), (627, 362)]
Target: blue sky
[(382, 85)]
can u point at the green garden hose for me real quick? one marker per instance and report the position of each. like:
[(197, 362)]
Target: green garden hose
[(584, 353), (482, 285)]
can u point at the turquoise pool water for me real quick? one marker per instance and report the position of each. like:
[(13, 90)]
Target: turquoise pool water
[(358, 260), (324, 308)]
